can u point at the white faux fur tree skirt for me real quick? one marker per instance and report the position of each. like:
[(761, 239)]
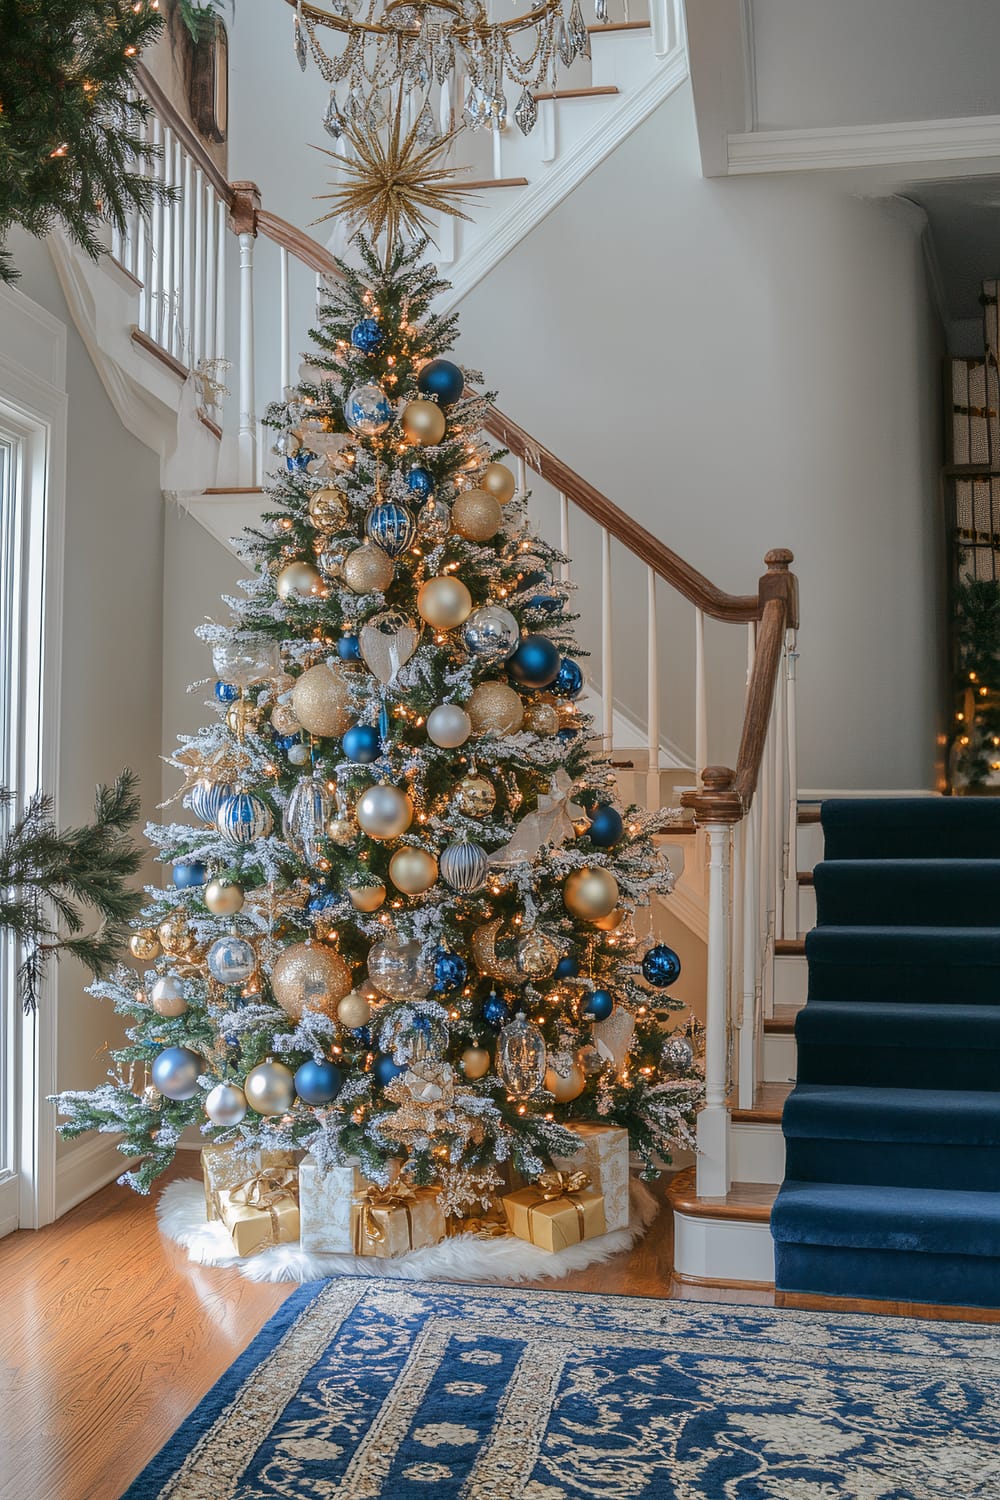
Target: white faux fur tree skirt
[(181, 1212)]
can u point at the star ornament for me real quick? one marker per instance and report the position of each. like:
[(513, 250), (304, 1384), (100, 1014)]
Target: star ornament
[(394, 183)]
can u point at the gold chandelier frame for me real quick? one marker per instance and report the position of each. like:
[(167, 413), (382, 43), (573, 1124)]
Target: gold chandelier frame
[(482, 26)]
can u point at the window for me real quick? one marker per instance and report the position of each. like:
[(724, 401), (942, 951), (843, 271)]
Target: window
[(10, 456)]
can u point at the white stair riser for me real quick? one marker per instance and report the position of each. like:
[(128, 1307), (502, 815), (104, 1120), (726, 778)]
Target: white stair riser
[(791, 980), (723, 1249), (807, 908), (779, 1058), (757, 1152), (810, 845)]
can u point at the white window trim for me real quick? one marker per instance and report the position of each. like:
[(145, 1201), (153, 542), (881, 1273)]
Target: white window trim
[(33, 404)]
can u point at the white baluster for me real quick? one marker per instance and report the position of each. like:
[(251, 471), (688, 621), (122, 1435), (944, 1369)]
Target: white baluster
[(142, 240), (792, 811), (248, 415), (653, 795), (446, 239), (750, 1033), (176, 308), (222, 230), (765, 791), (166, 276), (713, 1172), (522, 477), (564, 535), (547, 128), (186, 333), (779, 728), (497, 145), (663, 26), (700, 697), (607, 646), (286, 347), (211, 273), (199, 288)]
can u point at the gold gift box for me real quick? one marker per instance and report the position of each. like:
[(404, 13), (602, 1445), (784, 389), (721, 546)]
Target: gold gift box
[(603, 1155), (274, 1221), (223, 1170), (394, 1220), (551, 1220)]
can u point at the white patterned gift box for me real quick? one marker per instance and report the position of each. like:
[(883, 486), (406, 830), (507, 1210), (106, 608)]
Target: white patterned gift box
[(603, 1155), (325, 1203)]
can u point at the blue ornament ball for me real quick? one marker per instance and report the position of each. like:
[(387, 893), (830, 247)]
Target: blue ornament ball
[(367, 336), (569, 679), (390, 527), (384, 1070), (440, 378), (450, 970), (361, 1034), (317, 1082), (567, 968), (535, 663), (567, 734), (420, 482), (298, 463), (606, 826), (226, 692), (362, 744), (599, 1005), (188, 873), (661, 966), (286, 741), (349, 648), (496, 1011), (547, 603), (175, 1072)]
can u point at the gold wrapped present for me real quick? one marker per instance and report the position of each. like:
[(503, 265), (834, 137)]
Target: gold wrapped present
[(261, 1212), (222, 1168), (392, 1220), (556, 1211), (603, 1155)]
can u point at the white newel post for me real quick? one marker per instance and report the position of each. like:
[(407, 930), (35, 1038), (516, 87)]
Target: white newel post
[(243, 218)]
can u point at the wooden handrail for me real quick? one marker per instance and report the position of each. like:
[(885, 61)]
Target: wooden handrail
[(183, 130)]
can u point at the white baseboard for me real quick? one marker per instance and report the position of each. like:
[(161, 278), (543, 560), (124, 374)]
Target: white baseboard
[(723, 1250), (87, 1168), (812, 794)]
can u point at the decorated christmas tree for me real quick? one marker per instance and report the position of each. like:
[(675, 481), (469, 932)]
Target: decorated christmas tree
[(399, 923)]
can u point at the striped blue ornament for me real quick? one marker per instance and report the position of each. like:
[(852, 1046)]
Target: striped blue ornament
[(390, 527), (464, 866), (244, 818), (206, 797)]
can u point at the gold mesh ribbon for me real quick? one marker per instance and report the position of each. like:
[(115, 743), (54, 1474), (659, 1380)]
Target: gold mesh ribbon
[(264, 1191), (367, 1229), (552, 1186)]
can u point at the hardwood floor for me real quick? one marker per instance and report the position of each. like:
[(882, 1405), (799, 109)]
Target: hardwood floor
[(111, 1337)]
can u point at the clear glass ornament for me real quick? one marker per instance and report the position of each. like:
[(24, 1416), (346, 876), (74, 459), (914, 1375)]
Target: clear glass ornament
[(306, 815), (433, 520), (367, 410), (521, 1058), (246, 659), (399, 969), (231, 960), (413, 1038)]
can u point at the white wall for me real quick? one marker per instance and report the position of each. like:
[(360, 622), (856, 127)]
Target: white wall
[(741, 365)]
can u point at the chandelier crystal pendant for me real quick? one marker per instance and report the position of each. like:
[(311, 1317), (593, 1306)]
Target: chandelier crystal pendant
[(366, 48)]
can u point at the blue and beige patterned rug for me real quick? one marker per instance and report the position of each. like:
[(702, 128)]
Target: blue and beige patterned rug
[(382, 1390)]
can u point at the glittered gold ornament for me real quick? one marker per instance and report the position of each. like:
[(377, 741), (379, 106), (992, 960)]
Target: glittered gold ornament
[(424, 423), (328, 509), (367, 898), (563, 1089), (613, 920), (476, 516), (321, 701), (475, 1062), (590, 893), (270, 1088), (297, 580), (495, 708), (310, 976), (176, 937), (354, 1011), (541, 718), (342, 829), (242, 716), (537, 955), (499, 482), (444, 602), (284, 720), (368, 570), (144, 944), (223, 897), (488, 961), (384, 811), (413, 871), (475, 796)]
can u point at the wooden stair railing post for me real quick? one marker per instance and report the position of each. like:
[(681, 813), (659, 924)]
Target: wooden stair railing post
[(243, 211)]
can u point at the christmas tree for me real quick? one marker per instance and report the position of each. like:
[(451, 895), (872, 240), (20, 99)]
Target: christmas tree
[(401, 922)]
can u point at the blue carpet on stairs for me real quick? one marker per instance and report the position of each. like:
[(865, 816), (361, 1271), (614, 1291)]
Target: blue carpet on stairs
[(892, 1132)]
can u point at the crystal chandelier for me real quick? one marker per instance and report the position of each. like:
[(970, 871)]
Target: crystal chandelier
[(366, 48)]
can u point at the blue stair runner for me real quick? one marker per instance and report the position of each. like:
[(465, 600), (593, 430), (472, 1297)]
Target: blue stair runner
[(892, 1132)]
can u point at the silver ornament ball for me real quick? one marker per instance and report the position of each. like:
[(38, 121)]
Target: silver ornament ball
[(226, 1104)]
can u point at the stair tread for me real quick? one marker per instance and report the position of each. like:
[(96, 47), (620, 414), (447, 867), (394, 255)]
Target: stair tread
[(768, 1103), (805, 877), (867, 1216), (892, 827), (746, 1201), (782, 1021), (808, 814), (910, 891), (593, 91), (790, 947), (847, 1111), (872, 1022)]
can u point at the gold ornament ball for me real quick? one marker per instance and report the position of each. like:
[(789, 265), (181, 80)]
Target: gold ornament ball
[(310, 976), (297, 580), (612, 920), (176, 937), (367, 898), (476, 516), (368, 570), (342, 830), (475, 796), (270, 1088), (167, 996), (590, 893), (444, 602), (541, 718), (475, 1062), (537, 955), (241, 716), (384, 811), (321, 701), (354, 1011), (413, 871), (565, 1089), (283, 719), (328, 510), (424, 423), (144, 944), (495, 707), (223, 897), (499, 482)]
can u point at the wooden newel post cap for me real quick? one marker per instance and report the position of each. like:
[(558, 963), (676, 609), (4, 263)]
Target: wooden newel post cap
[(717, 778), (779, 559), (244, 207), (780, 583), (715, 801)]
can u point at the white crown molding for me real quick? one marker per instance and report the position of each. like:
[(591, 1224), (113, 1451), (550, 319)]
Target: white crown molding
[(539, 199), (974, 138)]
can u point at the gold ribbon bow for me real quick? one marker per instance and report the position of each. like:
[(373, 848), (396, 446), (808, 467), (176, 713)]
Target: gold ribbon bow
[(552, 1186), (396, 1195), (265, 1189)]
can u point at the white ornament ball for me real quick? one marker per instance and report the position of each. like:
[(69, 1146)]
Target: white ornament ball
[(354, 1011), (448, 726), (226, 1104), (167, 996), (384, 811)]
